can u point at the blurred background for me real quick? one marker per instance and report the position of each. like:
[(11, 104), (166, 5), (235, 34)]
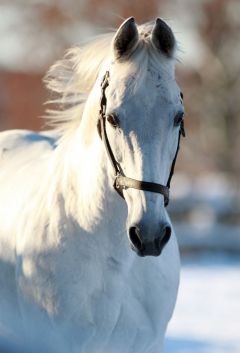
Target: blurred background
[(205, 204)]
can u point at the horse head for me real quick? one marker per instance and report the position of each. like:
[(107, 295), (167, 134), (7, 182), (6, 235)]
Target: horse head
[(142, 122)]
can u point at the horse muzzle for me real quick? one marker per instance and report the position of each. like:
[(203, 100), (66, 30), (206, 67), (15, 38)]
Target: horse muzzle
[(145, 244)]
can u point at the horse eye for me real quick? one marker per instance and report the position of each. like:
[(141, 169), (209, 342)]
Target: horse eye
[(113, 120), (178, 118)]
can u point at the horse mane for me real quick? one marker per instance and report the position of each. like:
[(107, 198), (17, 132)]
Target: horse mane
[(71, 79)]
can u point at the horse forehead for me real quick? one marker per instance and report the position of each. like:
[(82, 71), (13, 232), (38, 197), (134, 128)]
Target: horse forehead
[(151, 102), (146, 88)]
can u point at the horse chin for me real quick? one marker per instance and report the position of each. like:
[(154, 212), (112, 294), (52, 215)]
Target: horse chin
[(141, 253)]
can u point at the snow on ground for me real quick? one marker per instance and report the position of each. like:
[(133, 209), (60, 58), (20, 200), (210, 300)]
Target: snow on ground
[(207, 314)]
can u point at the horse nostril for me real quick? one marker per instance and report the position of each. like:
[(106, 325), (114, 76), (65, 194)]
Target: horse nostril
[(134, 238), (150, 246), (165, 237)]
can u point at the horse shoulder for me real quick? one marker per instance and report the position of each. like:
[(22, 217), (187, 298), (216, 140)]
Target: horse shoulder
[(13, 141), (23, 157)]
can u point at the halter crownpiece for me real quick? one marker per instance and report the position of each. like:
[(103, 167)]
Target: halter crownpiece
[(122, 182)]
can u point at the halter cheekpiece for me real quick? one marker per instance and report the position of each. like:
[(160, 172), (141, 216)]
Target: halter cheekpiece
[(122, 182)]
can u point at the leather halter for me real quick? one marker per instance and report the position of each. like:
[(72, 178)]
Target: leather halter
[(122, 182)]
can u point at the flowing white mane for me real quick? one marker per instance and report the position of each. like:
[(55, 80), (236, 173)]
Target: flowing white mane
[(71, 79)]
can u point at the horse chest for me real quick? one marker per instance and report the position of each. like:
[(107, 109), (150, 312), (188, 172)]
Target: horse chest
[(96, 306)]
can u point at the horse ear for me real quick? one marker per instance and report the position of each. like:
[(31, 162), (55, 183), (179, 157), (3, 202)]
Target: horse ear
[(126, 38), (162, 37)]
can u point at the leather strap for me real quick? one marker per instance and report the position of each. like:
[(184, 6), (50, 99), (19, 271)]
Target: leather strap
[(121, 181), (174, 162), (111, 157), (181, 133)]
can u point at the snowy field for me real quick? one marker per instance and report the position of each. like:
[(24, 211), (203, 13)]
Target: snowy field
[(207, 315)]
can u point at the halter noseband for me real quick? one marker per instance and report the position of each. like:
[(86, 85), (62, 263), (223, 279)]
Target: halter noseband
[(122, 182)]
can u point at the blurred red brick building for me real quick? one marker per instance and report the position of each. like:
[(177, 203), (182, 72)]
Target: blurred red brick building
[(21, 100)]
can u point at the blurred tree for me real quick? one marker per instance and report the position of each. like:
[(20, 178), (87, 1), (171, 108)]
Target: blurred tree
[(114, 12), (212, 92), (46, 27), (214, 96), (221, 33)]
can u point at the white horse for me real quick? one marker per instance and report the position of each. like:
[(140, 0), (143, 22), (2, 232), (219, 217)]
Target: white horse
[(69, 281)]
